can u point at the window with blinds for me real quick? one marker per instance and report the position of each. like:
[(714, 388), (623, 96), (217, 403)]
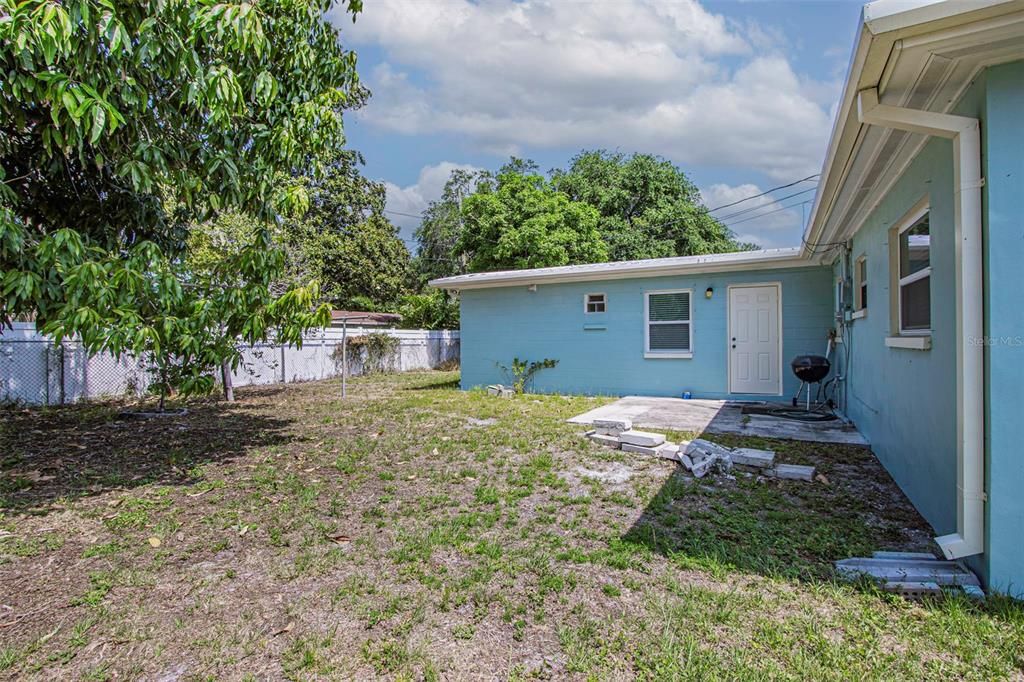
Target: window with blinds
[(669, 323)]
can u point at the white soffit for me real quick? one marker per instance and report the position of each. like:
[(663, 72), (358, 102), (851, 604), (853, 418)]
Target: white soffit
[(920, 66)]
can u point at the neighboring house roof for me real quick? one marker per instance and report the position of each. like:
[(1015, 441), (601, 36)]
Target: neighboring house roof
[(653, 267), (365, 319), (918, 54)]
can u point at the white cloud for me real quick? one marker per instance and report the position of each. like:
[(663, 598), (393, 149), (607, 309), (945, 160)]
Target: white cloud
[(660, 76), (768, 221), (411, 200)]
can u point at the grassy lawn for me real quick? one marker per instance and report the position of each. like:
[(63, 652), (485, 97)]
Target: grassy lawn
[(414, 531)]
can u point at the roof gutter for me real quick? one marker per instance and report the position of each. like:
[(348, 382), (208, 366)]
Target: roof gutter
[(965, 132)]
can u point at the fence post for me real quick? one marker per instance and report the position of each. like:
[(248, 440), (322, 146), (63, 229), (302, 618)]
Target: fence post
[(284, 375), (60, 373)]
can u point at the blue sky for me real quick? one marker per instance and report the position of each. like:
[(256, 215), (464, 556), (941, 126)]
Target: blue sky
[(740, 95)]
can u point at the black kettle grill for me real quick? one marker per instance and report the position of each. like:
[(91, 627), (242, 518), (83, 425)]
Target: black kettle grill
[(809, 369)]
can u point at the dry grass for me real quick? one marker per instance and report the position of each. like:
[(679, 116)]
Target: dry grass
[(418, 532)]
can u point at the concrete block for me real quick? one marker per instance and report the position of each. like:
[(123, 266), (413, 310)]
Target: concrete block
[(644, 438), (796, 472), (640, 449), (685, 460), (612, 427), (669, 451), (500, 391), (609, 441), (752, 457)]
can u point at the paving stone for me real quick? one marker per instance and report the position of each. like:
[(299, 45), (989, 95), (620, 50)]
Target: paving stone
[(753, 457), (973, 591), (612, 427), (913, 588), (640, 449), (610, 441), (644, 438), (794, 471), (921, 556)]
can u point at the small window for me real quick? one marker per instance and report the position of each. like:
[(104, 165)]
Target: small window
[(668, 324), (914, 275), (594, 303), (860, 283)]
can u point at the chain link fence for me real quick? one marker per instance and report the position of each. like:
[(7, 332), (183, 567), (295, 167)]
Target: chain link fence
[(35, 371)]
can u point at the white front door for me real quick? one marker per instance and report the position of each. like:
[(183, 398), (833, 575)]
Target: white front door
[(754, 347)]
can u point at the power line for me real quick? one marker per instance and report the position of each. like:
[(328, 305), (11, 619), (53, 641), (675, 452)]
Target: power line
[(762, 215), (767, 191), (407, 215), (775, 201)]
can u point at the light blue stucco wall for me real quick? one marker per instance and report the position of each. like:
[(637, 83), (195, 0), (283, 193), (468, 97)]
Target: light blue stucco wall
[(904, 401), (502, 323), (1004, 294)]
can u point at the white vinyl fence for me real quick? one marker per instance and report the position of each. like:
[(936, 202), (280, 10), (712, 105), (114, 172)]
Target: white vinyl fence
[(34, 371)]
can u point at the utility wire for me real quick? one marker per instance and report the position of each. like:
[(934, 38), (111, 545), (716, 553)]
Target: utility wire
[(767, 191), (762, 215), (774, 201)]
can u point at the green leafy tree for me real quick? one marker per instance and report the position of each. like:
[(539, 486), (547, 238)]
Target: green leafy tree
[(346, 243), (648, 207), (432, 310), (522, 222), (442, 226), (110, 112)]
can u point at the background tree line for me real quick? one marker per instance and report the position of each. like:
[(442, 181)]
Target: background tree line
[(605, 206)]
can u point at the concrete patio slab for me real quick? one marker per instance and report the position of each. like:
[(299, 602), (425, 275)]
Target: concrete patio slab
[(719, 416)]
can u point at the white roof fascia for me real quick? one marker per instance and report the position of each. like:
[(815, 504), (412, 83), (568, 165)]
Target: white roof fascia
[(770, 259)]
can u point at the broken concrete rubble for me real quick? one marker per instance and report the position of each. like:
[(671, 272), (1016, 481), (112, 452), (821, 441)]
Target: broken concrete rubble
[(698, 456), (500, 391)]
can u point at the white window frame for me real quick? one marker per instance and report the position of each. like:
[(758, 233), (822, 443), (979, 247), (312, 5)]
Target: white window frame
[(586, 303), (648, 353), (860, 304), (915, 214)]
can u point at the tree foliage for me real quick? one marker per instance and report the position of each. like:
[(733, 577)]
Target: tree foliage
[(112, 111), (442, 226), (648, 207), (346, 243), (520, 221), (432, 310)]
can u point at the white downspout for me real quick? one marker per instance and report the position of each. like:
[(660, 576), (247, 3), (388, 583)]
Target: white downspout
[(965, 132)]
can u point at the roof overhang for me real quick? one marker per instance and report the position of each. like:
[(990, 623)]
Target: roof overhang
[(768, 259), (918, 54)]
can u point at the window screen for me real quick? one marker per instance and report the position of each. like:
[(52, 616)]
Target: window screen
[(668, 322)]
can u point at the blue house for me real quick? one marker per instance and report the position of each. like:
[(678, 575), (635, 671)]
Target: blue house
[(912, 261)]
